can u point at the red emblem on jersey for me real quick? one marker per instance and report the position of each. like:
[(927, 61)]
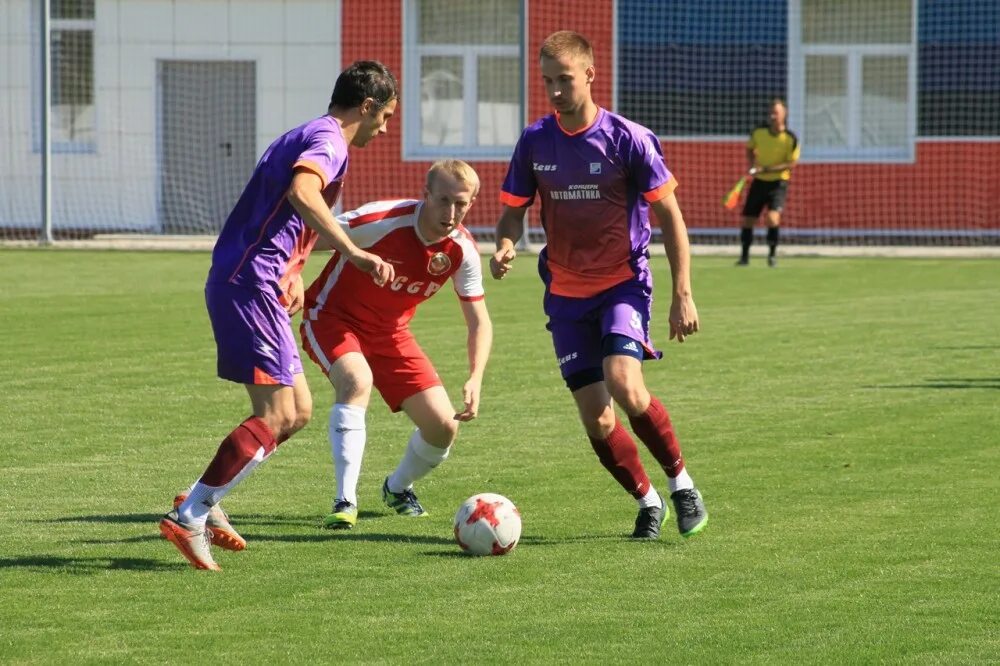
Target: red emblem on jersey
[(438, 264)]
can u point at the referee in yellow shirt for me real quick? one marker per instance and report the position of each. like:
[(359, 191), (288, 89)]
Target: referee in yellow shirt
[(772, 152)]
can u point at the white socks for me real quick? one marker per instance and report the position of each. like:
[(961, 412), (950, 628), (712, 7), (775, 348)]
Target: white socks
[(201, 498), (680, 482), (347, 446), (418, 460), (651, 498)]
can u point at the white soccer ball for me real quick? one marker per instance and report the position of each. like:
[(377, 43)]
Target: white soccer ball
[(487, 524)]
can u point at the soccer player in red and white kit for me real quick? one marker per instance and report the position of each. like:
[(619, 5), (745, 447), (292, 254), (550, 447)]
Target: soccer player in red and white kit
[(359, 333), (598, 175)]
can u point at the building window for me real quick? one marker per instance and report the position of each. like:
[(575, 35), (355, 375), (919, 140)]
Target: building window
[(852, 79), (462, 70), (73, 123), (959, 61), (700, 70)]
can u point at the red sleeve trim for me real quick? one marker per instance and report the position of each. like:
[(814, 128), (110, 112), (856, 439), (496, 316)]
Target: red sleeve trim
[(470, 299), (513, 200), (315, 168), (261, 377), (661, 192)]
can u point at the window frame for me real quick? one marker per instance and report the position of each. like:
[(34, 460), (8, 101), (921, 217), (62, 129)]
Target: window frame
[(413, 53), (56, 25), (854, 55)]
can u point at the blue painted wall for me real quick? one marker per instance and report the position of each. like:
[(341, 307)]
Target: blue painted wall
[(711, 67)]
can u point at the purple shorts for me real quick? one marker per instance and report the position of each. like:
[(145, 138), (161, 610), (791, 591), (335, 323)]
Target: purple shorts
[(578, 325), (253, 336)]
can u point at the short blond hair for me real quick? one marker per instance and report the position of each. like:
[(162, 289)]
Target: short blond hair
[(457, 169), (567, 43)]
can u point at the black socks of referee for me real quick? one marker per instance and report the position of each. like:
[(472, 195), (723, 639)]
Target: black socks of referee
[(772, 240), (746, 240)]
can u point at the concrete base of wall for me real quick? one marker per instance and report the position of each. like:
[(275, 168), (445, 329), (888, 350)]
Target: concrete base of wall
[(206, 243)]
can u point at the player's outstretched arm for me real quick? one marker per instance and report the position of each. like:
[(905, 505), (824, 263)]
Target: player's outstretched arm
[(306, 196), (510, 228), (683, 313), (480, 340)]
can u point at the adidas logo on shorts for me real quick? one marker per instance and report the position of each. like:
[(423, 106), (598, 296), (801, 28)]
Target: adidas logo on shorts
[(632, 347)]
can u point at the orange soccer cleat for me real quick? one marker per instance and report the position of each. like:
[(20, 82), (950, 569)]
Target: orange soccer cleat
[(223, 534), (195, 545)]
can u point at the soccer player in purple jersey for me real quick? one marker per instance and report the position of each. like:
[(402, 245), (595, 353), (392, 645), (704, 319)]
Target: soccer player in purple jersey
[(255, 284), (598, 175)]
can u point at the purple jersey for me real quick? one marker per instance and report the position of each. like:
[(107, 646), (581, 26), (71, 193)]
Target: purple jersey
[(264, 238), (595, 185)]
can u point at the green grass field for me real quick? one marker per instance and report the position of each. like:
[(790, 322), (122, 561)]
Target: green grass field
[(841, 417)]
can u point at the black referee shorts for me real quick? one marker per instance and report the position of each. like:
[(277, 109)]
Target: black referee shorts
[(770, 193)]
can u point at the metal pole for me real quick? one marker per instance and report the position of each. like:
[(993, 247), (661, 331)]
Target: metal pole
[(523, 244), (45, 233)]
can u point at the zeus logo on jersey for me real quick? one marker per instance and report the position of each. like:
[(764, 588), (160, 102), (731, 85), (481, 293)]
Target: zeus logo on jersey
[(403, 283), (538, 166)]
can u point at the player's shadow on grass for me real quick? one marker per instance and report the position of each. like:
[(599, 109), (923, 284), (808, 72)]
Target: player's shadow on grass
[(531, 541), (965, 347), (987, 383), (154, 518), (353, 535), (108, 518), (305, 521), (85, 565)]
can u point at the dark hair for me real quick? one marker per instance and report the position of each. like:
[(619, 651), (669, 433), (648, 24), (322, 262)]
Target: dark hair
[(363, 79)]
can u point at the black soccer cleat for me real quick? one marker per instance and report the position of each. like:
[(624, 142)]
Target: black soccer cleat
[(404, 503), (691, 514), (649, 520)]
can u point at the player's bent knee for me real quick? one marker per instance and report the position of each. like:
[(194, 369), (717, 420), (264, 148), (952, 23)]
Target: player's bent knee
[(441, 433), (353, 387), (281, 423), (633, 399), (286, 424), (628, 391), (303, 416), (303, 408), (598, 424)]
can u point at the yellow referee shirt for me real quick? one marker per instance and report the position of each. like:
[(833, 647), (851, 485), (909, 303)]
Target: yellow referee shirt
[(772, 149)]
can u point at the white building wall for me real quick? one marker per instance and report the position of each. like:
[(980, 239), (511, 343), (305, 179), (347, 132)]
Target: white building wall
[(19, 183), (296, 45)]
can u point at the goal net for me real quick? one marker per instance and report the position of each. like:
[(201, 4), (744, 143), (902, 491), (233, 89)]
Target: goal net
[(160, 108)]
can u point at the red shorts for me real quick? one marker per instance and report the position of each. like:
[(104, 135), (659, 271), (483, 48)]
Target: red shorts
[(400, 368)]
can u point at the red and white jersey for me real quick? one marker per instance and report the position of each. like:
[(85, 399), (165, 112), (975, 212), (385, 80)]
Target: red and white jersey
[(389, 229)]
